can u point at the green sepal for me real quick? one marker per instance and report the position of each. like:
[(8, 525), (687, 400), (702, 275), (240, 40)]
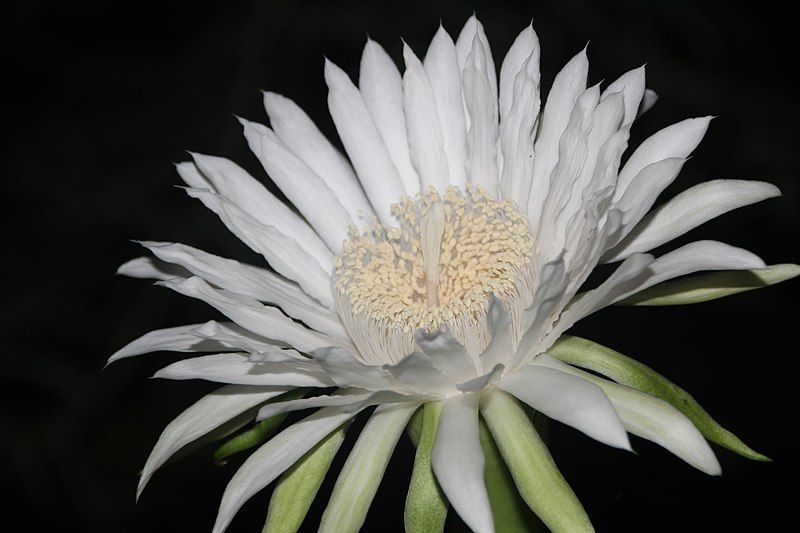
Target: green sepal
[(598, 358), (509, 511), (532, 468), (298, 486), (697, 289), (426, 506), (257, 434)]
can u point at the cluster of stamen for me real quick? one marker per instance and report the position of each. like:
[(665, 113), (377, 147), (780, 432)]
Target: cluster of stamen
[(438, 267)]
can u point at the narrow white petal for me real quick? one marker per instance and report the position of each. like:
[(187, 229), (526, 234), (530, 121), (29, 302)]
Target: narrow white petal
[(251, 281), (690, 209), (299, 133), (677, 140), (516, 132), (205, 415), (474, 29), (230, 181), (568, 399), (274, 458), (631, 86), (283, 254), (258, 318), (444, 74), (362, 472), (424, 132), (239, 369), (640, 271), (347, 371), (178, 339), (481, 106), (363, 143), (296, 180), (457, 460), (151, 268), (568, 85), (525, 49), (381, 87), (650, 418), (350, 400)]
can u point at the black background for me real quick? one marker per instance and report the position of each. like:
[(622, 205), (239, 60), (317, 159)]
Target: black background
[(105, 96)]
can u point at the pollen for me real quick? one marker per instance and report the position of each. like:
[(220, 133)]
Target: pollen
[(437, 268)]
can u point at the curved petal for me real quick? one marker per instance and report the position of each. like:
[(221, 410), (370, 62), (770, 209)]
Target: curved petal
[(690, 209), (363, 143), (524, 50), (252, 282), (227, 179), (457, 460), (205, 415), (295, 179), (631, 86), (239, 369), (650, 418), (444, 74), (568, 399), (300, 135), (472, 30), (151, 268), (424, 132), (382, 89), (258, 318), (273, 458)]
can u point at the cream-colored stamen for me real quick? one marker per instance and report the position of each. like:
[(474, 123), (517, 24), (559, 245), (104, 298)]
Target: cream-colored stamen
[(437, 268)]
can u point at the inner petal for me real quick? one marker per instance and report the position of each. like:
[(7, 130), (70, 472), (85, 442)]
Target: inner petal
[(437, 268)]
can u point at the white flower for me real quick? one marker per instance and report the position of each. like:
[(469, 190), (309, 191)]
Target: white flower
[(440, 264)]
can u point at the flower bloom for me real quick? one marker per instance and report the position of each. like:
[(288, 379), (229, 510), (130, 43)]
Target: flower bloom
[(439, 265)]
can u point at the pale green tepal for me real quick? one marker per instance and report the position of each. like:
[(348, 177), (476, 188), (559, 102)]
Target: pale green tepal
[(425, 283)]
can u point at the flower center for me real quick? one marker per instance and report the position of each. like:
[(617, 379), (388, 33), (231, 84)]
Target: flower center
[(438, 267)]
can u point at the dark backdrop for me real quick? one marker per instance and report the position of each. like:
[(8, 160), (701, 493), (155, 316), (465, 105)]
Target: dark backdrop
[(104, 96)]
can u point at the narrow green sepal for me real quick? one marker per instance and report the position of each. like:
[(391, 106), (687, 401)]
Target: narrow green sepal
[(298, 486), (509, 511), (426, 506), (257, 434), (535, 475), (622, 369), (697, 289)]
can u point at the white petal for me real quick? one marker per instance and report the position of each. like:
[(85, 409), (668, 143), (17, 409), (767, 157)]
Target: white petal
[(238, 369), (258, 318), (573, 401), (317, 203), (677, 140), (275, 457), (645, 188), (207, 414), (151, 268), (424, 133), (381, 87), (648, 101), (640, 271), (481, 106), (350, 400), (423, 376), (650, 418), (457, 460), (283, 254), (347, 371), (631, 86), (444, 74), (516, 132), (448, 355), (690, 209), (525, 49), (568, 85), (229, 180), (362, 472), (474, 29), (299, 133), (251, 281), (178, 339), (363, 143)]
